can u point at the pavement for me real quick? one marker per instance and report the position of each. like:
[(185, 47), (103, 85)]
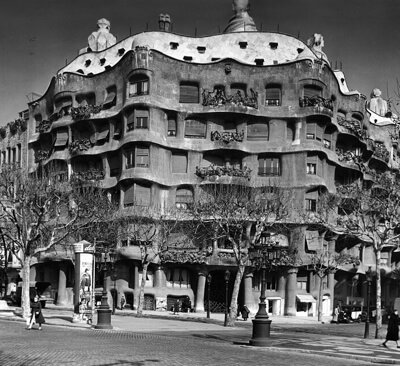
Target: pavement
[(288, 334)]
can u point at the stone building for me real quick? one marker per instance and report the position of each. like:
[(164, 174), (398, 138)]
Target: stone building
[(147, 111)]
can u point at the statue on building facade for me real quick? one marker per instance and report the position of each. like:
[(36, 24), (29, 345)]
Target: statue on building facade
[(102, 38), (377, 104), (241, 21), (316, 42)]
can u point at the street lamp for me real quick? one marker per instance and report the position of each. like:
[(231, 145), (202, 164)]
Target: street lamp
[(368, 274), (209, 278), (263, 256), (104, 311), (227, 276)]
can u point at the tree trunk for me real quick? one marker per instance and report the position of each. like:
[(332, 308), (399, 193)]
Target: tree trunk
[(141, 293), (321, 283), (25, 294), (232, 316), (378, 330)]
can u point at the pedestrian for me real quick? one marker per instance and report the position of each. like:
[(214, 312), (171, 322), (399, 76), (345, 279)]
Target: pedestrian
[(336, 312), (177, 305), (36, 313), (245, 312), (123, 301), (393, 329)]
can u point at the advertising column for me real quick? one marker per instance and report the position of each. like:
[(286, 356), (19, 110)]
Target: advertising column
[(83, 289)]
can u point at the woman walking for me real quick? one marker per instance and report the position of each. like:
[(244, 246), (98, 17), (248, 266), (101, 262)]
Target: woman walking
[(393, 329), (36, 314)]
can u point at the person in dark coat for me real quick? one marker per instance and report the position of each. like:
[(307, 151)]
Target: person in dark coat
[(36, 313), (393, 329), (177, 306), (245, 312)]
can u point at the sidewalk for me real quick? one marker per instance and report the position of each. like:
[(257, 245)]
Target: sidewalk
[(288, 334)]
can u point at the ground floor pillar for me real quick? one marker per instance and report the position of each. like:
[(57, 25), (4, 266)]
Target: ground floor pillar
[(291, 291), (201, 285), (62, 285)]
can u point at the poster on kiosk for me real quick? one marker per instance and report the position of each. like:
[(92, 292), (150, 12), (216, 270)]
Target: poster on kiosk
[(84, 279)]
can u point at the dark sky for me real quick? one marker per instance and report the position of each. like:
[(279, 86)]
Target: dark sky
[(38, 36)]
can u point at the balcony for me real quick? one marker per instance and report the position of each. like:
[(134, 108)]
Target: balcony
[(227, 137), (223, 171), (218, 98), (316, 101), (84, 112), (89, 175), (44, 126), (42, 155), (350, 157), (78, 146), (381, 152), (353, 127)]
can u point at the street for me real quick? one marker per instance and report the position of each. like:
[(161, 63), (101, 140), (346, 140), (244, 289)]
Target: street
[(57, 345)]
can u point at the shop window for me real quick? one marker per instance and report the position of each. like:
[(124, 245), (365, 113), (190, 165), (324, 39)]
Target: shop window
[(189, 93), (269, 166)]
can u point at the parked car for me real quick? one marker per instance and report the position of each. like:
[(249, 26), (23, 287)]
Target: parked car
[(353, 312), (372, 315)]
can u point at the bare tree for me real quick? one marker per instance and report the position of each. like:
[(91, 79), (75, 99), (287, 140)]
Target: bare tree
[(238, 214), (324, 263), (368, 212), (152, 230), (38, 212)]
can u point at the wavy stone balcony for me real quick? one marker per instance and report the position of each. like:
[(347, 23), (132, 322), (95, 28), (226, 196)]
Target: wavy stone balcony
[(223, 174), (89, 175), (227, 137), (85, 112), (381, 152), (352, 127), (218, 98)]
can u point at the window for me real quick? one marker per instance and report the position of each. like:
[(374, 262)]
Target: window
[(173, 45), (239, 89), (243, 45), (311, 168), (310, 91), (61, 138), (183, 198), (114, 164), (315, 131), (142, 157), (290, 131), (189, 93), (130, 159), (117, 131), (311, 204), (137, 195), (327, 143), (195, 129), (273, 95), (302, 285), (139, 86), (268, 166), (130, 123), (257, 131), (171, 126), (111, 98), (178, 277), (141, 122), (179, 163)]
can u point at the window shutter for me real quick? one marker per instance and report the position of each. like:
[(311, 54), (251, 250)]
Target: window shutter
[(110, 99), (272, 96), (142, 195), (313, 240), (114, 162), (311, 91), (189, 93), (195, 129), (62, 138), (128, 196), (257, 131), (184, 195), (179, 163), (142, 157)]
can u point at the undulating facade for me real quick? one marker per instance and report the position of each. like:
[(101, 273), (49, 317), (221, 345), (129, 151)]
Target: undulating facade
[(153, 115)]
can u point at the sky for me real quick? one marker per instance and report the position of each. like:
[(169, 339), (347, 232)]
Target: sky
[(38, 37)]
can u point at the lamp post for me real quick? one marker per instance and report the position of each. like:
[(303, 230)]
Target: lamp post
[(263, 256), (104, 311), (114, 278), (209, 278), (227, 276), (368, 274)]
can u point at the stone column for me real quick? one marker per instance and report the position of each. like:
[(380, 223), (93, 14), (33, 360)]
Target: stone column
[(62, 284), (201, 285), (160, 280), (248, 291), (281, 291), (291, 290)]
